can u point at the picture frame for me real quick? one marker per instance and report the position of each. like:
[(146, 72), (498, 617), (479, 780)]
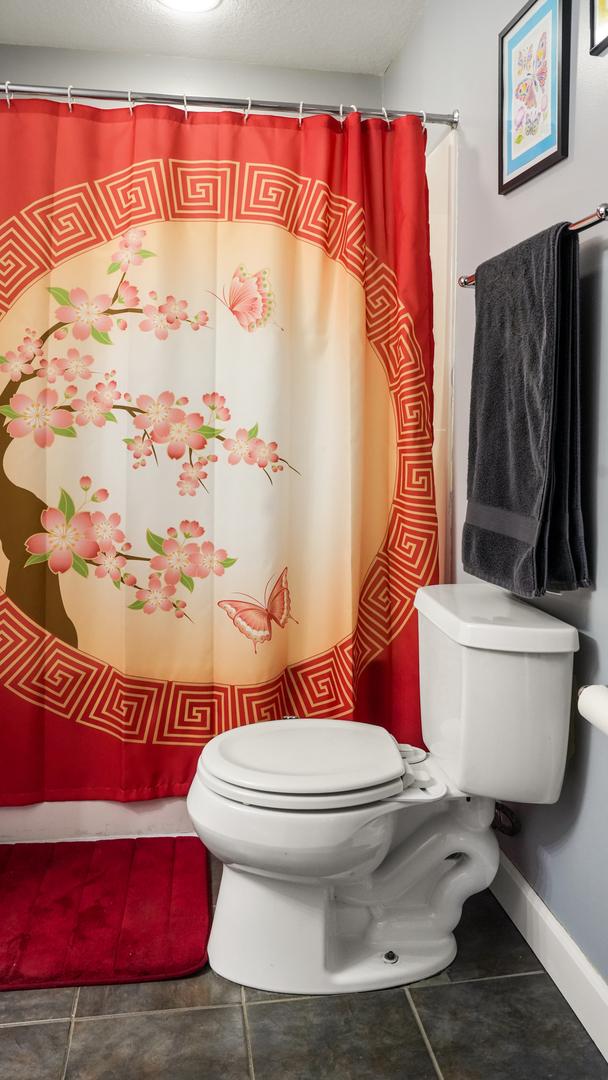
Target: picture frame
[(599, 27), (533, 91)]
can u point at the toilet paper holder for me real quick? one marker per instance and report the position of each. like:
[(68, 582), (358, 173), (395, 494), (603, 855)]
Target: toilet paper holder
[(593, 706)]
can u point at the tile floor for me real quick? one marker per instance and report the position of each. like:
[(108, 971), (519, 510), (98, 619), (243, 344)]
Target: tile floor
[(493, 1015)]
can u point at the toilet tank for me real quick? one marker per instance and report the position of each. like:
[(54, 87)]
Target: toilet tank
[(496, 686)]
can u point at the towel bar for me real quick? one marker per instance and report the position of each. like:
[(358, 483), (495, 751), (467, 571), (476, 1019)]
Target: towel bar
[(599, 214)]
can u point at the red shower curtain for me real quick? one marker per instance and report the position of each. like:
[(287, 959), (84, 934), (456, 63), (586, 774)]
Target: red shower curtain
[(216, 479)]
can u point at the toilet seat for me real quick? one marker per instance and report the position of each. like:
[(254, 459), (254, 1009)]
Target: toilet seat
[(279, 800), (304, 757)]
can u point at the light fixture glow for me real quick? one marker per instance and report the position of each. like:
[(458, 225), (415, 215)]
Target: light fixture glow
[(190, 7)]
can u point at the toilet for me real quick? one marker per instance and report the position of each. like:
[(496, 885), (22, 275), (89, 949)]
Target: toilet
[(346, 856)]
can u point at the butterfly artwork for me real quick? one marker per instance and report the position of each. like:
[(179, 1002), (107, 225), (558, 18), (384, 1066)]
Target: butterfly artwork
[(530, 90), (255, 619), (250, 298)]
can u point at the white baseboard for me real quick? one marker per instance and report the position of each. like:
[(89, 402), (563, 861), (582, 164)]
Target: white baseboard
[(582, 986), (90, 820)]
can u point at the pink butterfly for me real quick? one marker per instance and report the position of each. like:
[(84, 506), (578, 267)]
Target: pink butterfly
[(250, 298), (533, 68), (255, 620)]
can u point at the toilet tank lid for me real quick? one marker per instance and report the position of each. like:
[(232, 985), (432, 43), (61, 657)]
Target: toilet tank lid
[(486, 617)]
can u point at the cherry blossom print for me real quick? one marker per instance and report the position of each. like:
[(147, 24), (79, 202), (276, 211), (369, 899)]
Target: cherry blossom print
[(211, 560), (157, 597), (194, 471), (180, 431), (263, 453), (191, 528), (77, 366), (15, 366), (249, 299), (174, 310), (105, 530), (217, 404), (239, 448), (157, 322), (111, 563), (89, 410), (31, 348), (141, 449), (187, 486), (63, 539), (154, 411), (51, 369), (128, 295), (177, 559), (40, 418), (199, 320), (101, 495), (107, 394), (84, 314), (85, 483)]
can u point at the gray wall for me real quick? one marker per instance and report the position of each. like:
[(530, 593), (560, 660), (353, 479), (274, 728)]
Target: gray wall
[(450, 61)]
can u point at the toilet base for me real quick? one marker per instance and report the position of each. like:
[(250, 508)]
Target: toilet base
[(273, 935)]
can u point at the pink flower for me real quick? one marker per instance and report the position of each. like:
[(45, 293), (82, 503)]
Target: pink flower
[(38, 417), (31, 348), (85, 482), (239, 449), (110, 563), (216, 403), (128, 295), (194, 471), (77, 366), (89, 409), (132, 240), (60, 334), (105, 530), (263, 453), (177, 559), (107, 394), (157, 596), (174, 309), (191, 528), (101, 495), (155, 410), (211, 560), (51, 369), (140, 449), (122, 324), (158, 322), (85, 314), (130, 579), (200, 319), (187, 486), (15, 366), (180, 431), (63, 539)]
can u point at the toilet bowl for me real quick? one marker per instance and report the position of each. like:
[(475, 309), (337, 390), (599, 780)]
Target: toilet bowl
[(347, 857)]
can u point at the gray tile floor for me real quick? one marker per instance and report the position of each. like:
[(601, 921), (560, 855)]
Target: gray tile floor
[(493, 1015)]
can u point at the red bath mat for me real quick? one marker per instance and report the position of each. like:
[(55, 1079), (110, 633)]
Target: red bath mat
[(102, 911)]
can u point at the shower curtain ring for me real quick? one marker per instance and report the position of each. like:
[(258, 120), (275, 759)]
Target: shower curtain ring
[(423, 118), (387, 121), (130, 102), (185, 108), (8, 96), (247, 111), (301, 110), (70, 104), (342, 115), (354, 108)]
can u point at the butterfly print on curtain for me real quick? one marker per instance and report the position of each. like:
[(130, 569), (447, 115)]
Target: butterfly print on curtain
[(254, 619)]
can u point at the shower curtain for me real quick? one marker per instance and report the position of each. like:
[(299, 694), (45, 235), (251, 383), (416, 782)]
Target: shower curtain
[(216, 480)]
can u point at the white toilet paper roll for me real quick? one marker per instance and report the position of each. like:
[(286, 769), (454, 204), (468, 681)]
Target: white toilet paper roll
[(593, 705)]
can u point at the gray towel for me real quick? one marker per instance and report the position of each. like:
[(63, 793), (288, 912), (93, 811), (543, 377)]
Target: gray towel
[(524, 525)]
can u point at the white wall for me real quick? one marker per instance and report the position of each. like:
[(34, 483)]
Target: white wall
[(183, 75), (179, 75), (450, 61)]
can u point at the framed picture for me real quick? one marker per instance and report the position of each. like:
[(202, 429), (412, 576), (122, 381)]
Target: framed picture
[(599, 27), (534, 91)]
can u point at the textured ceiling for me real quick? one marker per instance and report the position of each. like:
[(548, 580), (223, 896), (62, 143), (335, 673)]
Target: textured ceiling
[(333, 35)]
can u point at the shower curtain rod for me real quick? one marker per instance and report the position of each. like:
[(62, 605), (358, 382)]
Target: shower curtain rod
[(599, 214), (184, 101)]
